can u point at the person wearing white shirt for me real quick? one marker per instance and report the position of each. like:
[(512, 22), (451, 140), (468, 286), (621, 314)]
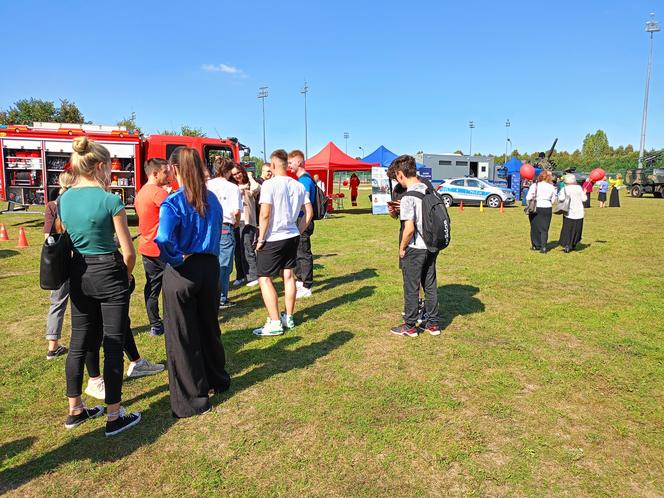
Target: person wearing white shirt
[(319, 183), (279, 229), (230, 198), (572, 230), (545, 194)]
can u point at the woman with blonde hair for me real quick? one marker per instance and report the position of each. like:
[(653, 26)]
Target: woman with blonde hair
[(188, 237), (572, 230), (99, 282), (545, 193)]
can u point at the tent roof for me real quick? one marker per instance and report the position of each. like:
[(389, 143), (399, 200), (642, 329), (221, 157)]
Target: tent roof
[(334, 159), (514, 164), (382, 156)]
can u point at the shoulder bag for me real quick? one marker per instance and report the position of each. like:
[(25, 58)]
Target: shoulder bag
[(55, 262), (531, 206), (562, 207)]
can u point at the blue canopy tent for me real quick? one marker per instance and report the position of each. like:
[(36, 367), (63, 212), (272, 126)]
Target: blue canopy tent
[(385, 156)]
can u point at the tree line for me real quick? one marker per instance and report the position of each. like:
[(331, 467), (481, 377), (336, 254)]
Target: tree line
[(28, 111), (596, 152)]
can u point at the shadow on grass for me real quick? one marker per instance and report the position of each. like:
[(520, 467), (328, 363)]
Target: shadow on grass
[(38, 223), (318, 256), (457, 299), (275, 359), (12, 448), (7, 253), (92, 447)]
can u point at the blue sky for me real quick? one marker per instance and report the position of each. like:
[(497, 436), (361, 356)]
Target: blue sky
[(409, 75)]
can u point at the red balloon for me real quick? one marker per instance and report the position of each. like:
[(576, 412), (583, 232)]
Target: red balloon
[(597, 174), (345, 183), (527, 171)]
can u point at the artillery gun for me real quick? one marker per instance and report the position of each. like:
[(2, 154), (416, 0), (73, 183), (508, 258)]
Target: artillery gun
[(544, 161)]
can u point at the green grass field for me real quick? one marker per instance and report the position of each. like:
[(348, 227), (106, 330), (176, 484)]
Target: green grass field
[(548, 378)]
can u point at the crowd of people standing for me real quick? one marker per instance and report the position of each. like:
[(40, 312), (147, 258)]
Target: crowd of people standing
[(189, 240)]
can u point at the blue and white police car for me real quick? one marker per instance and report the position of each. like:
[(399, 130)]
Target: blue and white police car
[(473, 191)]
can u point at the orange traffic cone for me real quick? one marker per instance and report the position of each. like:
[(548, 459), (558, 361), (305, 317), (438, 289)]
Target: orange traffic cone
[(502, 208), (461, 206), (22, 240), (3, 232)]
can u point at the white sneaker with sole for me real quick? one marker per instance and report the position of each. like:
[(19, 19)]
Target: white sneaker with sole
[(96, 388), (143, 367), (252, 283), (303, 292), (298, 284), (271, 328)]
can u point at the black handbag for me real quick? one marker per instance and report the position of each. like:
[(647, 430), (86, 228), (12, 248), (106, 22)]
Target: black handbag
[(55, 262), (531, 206)]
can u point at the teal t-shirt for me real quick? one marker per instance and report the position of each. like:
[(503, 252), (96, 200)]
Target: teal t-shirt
[(87, 214)]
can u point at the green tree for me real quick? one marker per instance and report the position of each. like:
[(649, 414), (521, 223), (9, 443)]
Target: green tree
[(596, 146), (188, 131), (130, 124), (28, 111), (458, 151), (185, 131), (68, 112), (257, 161)]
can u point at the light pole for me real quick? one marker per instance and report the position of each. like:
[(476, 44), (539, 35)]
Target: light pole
[(507, 139), (304, 92), (346, 137), (262, 94), (652, 27), (471, 125), (362, 149)]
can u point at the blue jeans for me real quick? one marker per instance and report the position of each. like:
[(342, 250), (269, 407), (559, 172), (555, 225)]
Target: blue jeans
[(226, 253)]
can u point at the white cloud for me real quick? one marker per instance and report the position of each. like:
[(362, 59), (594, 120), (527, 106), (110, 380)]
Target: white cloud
[(224, 68)]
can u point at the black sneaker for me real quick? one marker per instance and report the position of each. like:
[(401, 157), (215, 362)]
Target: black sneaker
[(226, 304), (59, 351), (157, 330), (122, 423), (87, 414)]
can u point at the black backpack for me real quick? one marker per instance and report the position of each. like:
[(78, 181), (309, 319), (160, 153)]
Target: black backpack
[(320, 206), (436, 225)]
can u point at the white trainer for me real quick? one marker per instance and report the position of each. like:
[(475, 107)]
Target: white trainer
[(96, 388), (271, 328), (143, 367), (303, 292), (252, 283)]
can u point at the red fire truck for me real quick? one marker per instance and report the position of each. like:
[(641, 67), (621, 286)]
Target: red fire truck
[(32, 157)]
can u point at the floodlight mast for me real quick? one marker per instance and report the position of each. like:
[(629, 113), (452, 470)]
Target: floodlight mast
[(262, 94), (652, 27)]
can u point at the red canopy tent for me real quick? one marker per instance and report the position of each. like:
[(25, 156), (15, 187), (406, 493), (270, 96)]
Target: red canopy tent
[(332, 159)]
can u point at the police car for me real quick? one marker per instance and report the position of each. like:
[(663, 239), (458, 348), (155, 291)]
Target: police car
[(473, 191)]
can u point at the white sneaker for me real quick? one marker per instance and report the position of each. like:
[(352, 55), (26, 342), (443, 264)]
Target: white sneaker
[(271, 327), (287, 321), (252, 283), (299, 285), (143, 367), (302, 293), (96, 388)]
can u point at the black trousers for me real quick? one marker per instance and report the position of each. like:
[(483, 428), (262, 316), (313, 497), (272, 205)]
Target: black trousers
[(249, 254), (240, 267), (539, 227), (99, 291), (154, 271), (196, 358), (304, 270), (418, 267)]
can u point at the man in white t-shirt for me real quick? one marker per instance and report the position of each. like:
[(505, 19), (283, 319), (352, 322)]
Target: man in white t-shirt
[(230, 198), (282, 199)]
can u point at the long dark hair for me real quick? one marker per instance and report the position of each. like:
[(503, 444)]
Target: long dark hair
[(191, 173), (241, 169)]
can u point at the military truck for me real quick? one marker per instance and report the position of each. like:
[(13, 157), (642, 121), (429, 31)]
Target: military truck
[(641, 181)]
